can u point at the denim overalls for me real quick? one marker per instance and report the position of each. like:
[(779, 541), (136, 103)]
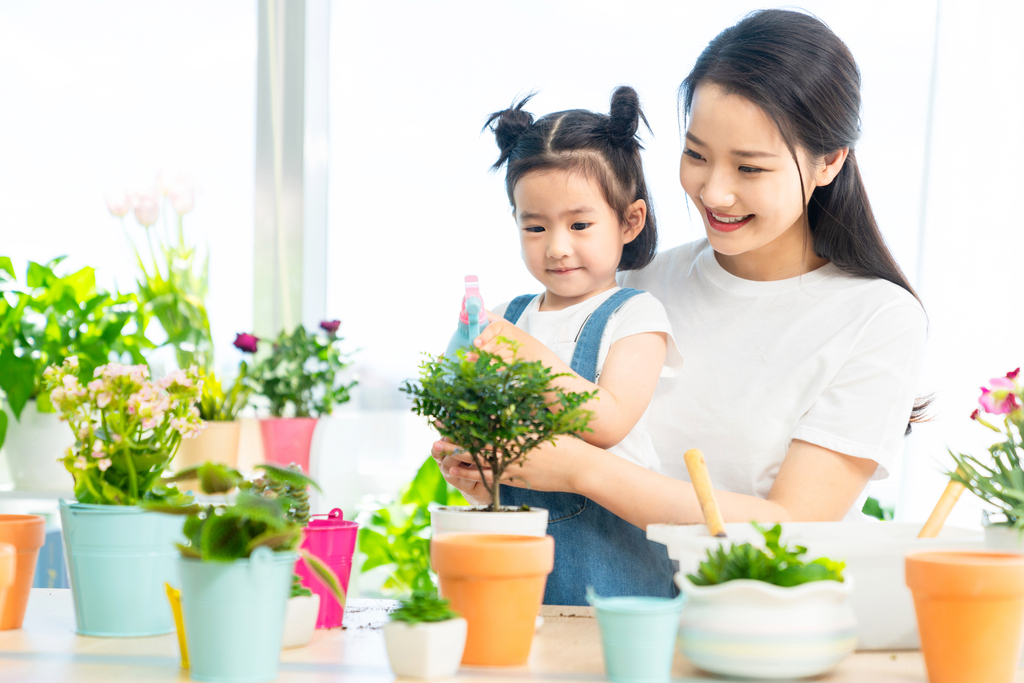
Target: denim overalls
[(593, 547)]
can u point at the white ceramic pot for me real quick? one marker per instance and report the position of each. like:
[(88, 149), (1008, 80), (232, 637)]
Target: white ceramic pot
[(753, 629), (425, 650), (873, 552), (467, 519), (1005, 538), (300, 620), (35, 448)]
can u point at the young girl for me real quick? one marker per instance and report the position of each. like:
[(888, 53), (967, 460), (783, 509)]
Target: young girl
[(800, 377), (577, 188)]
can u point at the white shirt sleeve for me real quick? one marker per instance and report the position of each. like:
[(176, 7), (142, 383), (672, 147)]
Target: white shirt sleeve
[(864, 409), (640, 314)]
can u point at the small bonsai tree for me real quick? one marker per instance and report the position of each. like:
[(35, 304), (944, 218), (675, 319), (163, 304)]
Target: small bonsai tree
[(496, 410)]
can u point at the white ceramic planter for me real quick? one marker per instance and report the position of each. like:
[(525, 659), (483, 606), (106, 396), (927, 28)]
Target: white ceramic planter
[(465, 519), (426, 651), (300, 620), (752, 629), (34, 446), (873, 553)]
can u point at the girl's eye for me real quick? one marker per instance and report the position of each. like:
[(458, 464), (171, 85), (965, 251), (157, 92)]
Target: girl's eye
[(534, 228), (750, 169), (580, 226), (690, 153)]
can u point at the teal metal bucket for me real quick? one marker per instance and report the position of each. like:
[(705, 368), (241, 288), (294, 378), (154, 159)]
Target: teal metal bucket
[(234, 615), (118, 559), (638, 636)]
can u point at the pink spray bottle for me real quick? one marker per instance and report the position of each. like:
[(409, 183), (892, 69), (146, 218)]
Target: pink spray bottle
[(472, 318)]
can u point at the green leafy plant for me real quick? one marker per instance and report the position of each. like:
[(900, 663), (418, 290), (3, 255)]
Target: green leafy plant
[(495, 409), (398, 533), (219, 405), (776, 564), (872, 508), (270, 511), (1000, 480), (126, 429), (302, 371), (424, 607), (47, 318)]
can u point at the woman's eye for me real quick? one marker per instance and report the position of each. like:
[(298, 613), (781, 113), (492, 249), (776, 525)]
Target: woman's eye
[(690, 153), (750, 169), (580, 226), (534, 228)]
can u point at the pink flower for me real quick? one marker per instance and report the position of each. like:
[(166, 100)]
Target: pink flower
[(1013, 374), (80, 463), (182, 199), (331, 326), (147, 208), (98, 454), (119, 204), (246, 342), (976, 414), (104, 464), (999, 398)]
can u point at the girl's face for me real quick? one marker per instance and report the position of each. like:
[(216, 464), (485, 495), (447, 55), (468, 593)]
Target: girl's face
[(571, 238), (741, 176)]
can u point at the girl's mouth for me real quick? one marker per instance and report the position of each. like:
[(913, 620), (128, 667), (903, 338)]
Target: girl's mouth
[(726, 223)]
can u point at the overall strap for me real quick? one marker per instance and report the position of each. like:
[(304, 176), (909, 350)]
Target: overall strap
[(588, 343), (517, 306)]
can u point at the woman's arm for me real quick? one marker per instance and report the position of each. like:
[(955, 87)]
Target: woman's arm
[(814, 484), (624, 389)]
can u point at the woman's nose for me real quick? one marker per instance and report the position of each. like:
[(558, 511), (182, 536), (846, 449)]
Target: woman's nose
[(717, 192)]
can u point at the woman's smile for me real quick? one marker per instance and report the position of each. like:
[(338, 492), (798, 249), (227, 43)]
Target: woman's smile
[(723, 222)]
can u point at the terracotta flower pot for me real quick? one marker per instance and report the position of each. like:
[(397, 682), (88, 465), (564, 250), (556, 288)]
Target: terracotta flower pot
[(287, 440), (8, 564), (497, 584), (26, 533), (970, 612), (218, 442)]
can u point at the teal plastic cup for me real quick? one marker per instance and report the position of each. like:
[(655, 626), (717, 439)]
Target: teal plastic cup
[(638, 636), (234, 615), (118, 559)]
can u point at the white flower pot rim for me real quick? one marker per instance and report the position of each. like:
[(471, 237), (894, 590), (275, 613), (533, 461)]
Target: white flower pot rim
[(804, 590), (465, 509)]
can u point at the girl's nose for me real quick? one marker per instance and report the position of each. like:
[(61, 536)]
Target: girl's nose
[(559, 244)]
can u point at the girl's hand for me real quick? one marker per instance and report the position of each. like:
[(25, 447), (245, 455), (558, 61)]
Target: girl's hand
[(529, 347), (454, 464)]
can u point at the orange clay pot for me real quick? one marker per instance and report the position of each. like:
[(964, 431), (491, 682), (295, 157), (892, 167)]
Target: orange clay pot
[(26, 533), (497, 584), (970, 612), (8, 564)]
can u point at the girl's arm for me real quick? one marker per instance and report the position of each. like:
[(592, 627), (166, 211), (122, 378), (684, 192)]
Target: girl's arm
[(624, 389), (814, 484)]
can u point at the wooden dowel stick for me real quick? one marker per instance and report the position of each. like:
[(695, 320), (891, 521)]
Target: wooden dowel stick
[(941, 510), (701, 480)]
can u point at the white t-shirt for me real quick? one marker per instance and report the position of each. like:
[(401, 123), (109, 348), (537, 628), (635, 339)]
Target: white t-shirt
[(826, 357), (558, 331)]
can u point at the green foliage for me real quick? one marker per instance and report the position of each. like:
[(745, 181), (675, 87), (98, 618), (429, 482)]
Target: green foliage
[(287, 483), (423, 607), (398, 534), (497, 410), (219, 405), (777, 564), (302, 371), (48, 318), (298, 590), (999, 482), (873, 508)]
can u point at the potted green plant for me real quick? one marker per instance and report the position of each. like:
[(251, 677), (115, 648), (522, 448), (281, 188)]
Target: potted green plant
[(999, 480), (425, 638), (237, 573), (126, 429), (300, 378), (43, 320), (763, 611), (497, 411)]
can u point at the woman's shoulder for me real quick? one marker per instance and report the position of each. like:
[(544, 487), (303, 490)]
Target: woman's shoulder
[(672, 264)]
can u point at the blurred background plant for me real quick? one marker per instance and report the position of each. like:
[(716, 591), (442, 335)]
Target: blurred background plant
[(397, 534), (49, 317), (173, 284), (300, 377)]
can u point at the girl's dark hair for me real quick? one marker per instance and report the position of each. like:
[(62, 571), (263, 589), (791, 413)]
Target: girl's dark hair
[(805, 79), (604, 147)]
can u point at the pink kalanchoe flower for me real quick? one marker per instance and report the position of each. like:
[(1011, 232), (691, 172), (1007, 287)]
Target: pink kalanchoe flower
[(1013, 374), (246, 342), (330, 325), (147, 208), (104, 464), (80, 463), (999, 398), (975, 414), (119, 204)]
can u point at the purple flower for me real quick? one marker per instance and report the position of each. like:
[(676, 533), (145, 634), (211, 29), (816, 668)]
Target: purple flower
[(330, 325), (246, 342)]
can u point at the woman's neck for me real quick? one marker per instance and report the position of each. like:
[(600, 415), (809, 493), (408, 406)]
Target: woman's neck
[(787, 256)]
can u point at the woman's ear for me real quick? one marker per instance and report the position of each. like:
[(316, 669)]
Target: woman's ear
[(636, 218), (833, 163)]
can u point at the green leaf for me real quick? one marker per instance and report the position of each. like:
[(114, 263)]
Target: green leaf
[(288, 476), (258, 508), (284, 539), (327, 577), (17, 379), (223, 539), (3, 426), (6, 265)]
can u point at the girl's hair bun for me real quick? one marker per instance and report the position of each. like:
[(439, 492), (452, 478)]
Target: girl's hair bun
[(508, 126), (624, 117)]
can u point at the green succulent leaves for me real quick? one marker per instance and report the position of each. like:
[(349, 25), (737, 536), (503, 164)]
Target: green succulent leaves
[(424, 607)]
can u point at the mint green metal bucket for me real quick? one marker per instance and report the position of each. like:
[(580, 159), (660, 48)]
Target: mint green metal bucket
[(118, 559), (638, 636), (234, 615)]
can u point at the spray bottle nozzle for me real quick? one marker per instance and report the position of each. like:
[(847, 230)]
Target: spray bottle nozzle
[(472, 302)]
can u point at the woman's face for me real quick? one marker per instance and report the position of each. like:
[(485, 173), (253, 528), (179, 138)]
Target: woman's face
[(741, 176)]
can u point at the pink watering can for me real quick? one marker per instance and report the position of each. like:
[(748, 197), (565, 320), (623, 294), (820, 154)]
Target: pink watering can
[(333, 540)]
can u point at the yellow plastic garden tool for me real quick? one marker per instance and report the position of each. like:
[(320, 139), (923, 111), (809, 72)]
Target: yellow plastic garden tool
[(174, 596)]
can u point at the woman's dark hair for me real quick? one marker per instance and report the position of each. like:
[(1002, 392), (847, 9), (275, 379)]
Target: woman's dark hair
[(805, 79), (604, 147)]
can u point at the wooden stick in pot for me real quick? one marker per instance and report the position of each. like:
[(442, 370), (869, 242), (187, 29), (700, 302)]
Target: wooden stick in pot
[(941, 510), (701, 480)]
